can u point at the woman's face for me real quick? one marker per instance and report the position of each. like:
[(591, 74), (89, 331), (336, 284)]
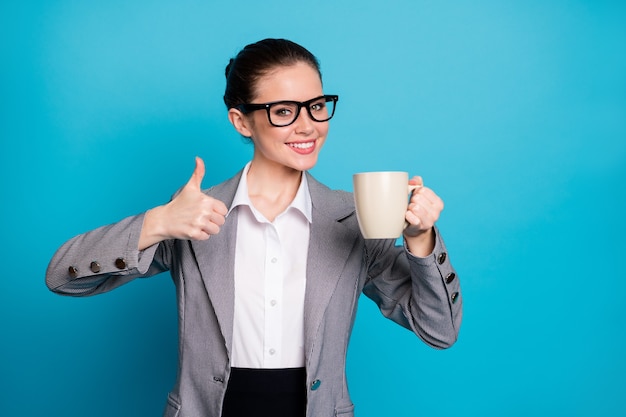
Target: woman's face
[(296, 146)]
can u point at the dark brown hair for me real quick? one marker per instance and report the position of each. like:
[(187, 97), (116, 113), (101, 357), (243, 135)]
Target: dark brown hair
[(256, 60)]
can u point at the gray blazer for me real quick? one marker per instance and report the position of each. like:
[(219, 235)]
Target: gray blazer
[(421, 294)]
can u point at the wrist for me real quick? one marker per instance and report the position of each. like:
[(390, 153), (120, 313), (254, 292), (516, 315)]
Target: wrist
[(421, 245), (153, 229)]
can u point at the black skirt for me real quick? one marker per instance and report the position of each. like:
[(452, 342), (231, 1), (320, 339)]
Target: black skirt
[(265, 393)]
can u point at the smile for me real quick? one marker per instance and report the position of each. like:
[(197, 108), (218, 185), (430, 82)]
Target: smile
[(302, 145)]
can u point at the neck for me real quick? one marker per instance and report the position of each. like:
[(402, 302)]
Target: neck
[(272, 189)]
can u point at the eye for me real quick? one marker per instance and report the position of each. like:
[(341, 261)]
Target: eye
[(318, 106), (282, 110)]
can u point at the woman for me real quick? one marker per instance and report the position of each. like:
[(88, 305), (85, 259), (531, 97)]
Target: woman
[(269, 265)]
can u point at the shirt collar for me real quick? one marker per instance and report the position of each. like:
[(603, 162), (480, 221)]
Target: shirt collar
[(301, 202)]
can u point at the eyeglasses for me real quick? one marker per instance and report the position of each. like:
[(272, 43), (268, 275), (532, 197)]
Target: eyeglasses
[(283, 113)]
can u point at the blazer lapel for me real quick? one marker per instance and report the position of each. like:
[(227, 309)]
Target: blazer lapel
[(216, 261), (328, 253)]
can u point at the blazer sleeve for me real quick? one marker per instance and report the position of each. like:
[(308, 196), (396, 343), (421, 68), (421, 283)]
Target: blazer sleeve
[(105, 258), (421, 294)]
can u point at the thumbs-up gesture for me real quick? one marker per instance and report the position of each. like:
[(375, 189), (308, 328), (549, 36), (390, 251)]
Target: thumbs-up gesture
[(191, 215)]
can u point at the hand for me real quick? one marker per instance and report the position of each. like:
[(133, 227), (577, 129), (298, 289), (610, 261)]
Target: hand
[(191, 215), (423, 211)]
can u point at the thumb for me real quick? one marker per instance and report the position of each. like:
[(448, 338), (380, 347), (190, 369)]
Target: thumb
[(198, 174), (417, 180)]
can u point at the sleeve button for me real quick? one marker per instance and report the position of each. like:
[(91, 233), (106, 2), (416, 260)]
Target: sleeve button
[(455, 297), (73, 271), (120, 263), (442, 258), (95, 267)]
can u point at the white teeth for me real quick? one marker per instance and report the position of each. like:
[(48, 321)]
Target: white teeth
[(306, 145)]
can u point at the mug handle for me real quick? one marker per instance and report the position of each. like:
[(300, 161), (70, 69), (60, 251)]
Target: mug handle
[(413, 188)]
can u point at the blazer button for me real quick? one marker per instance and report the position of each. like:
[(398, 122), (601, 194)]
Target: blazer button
[(450, 277), (455, 297), (442, 258), (95, 267), (73, 271), (120, 263), (315, 384)]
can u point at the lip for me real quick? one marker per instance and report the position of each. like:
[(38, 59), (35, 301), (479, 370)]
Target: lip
[(303, 147)]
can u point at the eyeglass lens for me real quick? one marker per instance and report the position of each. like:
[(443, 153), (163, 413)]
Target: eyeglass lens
[(286, 112)]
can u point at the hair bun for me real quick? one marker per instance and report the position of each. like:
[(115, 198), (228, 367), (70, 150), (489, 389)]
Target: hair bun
[(229, 66)]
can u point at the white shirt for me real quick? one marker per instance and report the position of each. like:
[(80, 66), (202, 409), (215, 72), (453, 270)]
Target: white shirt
[(270, 281)]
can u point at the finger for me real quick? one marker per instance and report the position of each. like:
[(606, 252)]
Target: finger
[(412, 218), (220, 208), (217, 219), (200, 235), (212, 206), (418, 221), (433, 199), (198, 174), (212, 220), (211, 228), (205, 226), (427, 196), (415, 184), (416, 180), (427, 213), (427, 201)]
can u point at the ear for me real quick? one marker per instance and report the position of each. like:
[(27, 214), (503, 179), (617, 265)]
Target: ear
[(240, 122)]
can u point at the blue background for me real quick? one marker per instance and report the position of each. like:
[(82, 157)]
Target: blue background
[(513, 111)]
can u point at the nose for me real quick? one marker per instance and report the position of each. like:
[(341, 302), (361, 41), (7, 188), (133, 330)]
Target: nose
[(304, 124)]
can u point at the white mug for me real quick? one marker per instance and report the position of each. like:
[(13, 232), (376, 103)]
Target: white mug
[(381, 201)]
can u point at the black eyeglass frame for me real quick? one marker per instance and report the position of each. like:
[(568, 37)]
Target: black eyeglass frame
[(250, 107)]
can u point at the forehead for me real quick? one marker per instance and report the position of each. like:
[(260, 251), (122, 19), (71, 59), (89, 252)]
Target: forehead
[(298, 82)]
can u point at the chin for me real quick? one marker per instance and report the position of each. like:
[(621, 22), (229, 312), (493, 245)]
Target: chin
[(306, 165)]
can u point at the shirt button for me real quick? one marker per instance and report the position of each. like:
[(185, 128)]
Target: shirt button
[(450, 277), (274, 260), (442, 257), (273, 303), (315, 384), (272, 351)]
